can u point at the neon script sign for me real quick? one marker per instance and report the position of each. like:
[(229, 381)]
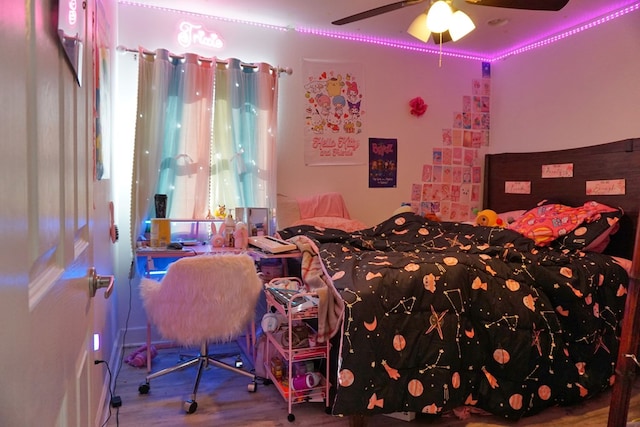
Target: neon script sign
[(191, 34)]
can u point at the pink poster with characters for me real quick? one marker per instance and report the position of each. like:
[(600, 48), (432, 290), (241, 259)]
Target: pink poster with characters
[(334, 113)]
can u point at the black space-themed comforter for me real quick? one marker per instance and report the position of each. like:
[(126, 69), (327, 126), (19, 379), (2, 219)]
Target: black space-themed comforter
[(442, 315)]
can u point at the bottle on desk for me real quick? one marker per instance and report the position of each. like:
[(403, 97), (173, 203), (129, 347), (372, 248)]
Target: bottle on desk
[(229, 228), (241, 236)]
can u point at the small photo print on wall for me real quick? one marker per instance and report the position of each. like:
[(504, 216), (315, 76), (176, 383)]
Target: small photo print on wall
[(416, 192), (383, 163), (486, 69), (427, 173)]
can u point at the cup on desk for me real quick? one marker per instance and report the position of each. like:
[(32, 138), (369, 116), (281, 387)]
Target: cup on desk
[(161, 205)]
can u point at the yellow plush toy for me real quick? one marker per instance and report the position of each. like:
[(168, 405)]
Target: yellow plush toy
[(489, 218), (220, 212)]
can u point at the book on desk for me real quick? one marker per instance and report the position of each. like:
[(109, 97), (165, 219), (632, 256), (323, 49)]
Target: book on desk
[(271, 244)]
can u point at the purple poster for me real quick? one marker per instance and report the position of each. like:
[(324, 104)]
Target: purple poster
[(383, 162)]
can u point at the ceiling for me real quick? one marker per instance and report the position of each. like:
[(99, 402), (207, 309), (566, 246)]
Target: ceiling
[(520, 27)]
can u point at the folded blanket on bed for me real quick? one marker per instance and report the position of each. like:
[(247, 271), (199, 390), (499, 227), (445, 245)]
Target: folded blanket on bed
[(331, 305)]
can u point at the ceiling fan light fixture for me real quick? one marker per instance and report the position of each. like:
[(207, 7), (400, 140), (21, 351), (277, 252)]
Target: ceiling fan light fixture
[(418, 28), (461, 25), (439, 17)]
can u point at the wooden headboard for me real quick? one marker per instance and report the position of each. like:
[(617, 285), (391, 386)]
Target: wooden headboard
[(612, 161)]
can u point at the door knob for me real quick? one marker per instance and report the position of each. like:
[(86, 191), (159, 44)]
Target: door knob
[(96, 282)]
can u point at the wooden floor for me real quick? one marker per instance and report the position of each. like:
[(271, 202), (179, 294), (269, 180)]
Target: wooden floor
[(223, 400)]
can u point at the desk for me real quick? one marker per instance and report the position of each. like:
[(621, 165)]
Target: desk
[(151, 256)]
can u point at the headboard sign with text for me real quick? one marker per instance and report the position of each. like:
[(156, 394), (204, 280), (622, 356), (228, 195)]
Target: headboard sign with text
[(517, 187), (606, 187), (561, 170)]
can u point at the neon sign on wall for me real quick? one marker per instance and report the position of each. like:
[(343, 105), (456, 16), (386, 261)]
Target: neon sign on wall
[(72, 16), (190, 34)]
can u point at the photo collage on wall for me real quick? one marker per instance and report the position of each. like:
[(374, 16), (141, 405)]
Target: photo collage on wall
[(451, 182)]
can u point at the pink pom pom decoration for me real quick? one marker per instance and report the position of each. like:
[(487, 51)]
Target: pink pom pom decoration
[(418, 106)]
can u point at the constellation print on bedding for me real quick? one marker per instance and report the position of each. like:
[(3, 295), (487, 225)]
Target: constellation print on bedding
[(510, 321), (349, 317), (407, 305), (458, 312), (435, 365), (549, 316), (530, 376)]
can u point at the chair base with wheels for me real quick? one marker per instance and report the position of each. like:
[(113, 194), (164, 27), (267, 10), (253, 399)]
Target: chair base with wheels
[(203, 360)]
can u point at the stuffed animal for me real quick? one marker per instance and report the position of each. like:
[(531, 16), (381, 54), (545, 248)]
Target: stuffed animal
[(489, 218), (220, 212)]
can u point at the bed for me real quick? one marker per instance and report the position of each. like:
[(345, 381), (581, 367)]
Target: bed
[(441, 316)]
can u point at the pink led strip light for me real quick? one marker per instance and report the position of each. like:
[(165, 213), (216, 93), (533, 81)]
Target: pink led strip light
[(416, 47)]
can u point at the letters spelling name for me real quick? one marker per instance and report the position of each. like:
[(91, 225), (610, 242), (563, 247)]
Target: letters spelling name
[(382, 149), (193, 34), (73, 12)]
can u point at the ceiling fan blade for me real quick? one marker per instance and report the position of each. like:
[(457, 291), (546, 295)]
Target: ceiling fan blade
[(377, 11), (554, 5)]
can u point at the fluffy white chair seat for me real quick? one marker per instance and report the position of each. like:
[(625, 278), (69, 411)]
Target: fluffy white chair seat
[(206, 298)]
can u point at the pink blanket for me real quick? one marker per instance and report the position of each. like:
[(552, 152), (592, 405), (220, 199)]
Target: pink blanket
[(323, 205)]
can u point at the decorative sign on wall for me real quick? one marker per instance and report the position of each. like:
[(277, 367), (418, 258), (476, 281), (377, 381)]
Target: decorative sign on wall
[(561, 170), (334, 115), (517, 187), (193, 34), (606, 187), (383, 163)]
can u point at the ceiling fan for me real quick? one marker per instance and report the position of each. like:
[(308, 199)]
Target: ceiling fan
[(549, 5)]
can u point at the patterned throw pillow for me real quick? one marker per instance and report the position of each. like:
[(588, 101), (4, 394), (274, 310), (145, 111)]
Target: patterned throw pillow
[(572, 227)]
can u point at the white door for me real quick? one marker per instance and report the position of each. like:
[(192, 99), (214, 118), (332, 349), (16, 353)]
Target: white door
[(54, 229)]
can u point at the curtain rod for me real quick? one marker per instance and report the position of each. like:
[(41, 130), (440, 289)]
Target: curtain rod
[(278, 70)]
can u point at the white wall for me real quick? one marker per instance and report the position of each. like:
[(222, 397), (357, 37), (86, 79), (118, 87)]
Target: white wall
[(580, 91)]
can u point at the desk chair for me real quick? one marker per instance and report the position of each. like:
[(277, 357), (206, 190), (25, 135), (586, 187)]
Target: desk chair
[(201, 300)]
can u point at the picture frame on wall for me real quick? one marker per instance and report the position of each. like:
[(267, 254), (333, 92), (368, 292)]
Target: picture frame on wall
[(383, 163)]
